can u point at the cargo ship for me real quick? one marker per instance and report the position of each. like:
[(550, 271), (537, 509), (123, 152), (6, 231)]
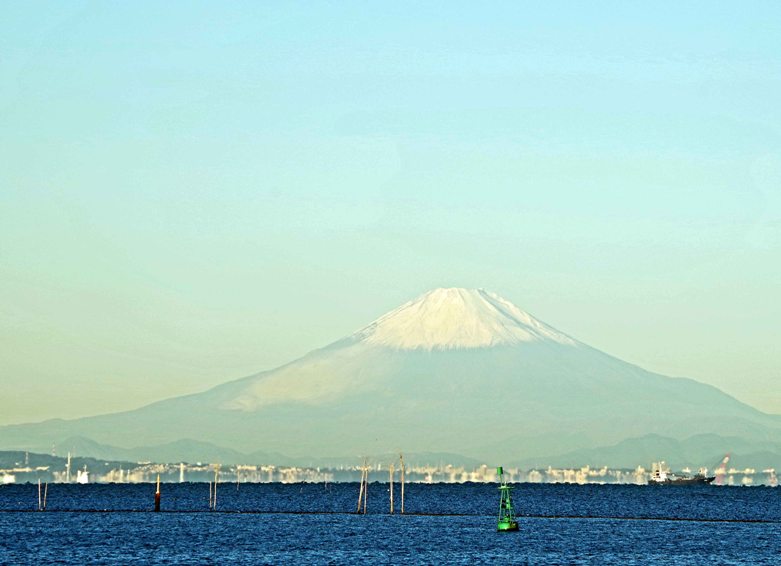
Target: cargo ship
[(661, 475)]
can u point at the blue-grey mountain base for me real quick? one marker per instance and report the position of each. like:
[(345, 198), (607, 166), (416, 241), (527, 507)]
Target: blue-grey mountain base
[(455, 371)]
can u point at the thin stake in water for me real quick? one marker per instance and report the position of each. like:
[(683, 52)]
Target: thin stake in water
[(366, 488), (216, 481), (390, 472), (362, 489), (157, 494), (403, 470)]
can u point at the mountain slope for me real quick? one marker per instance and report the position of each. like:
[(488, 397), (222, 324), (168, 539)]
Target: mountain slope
[(693, 452), (461, 371)]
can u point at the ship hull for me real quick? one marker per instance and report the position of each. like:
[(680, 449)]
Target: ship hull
[(683, 481)]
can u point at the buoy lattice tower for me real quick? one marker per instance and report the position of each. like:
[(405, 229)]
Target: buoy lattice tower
[(506, 520)]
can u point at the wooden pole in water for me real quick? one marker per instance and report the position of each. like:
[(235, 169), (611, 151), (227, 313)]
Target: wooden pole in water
[(360, 494), (39, 494), (45, 493), (216, 480), (366, 489), (157, 494), (210, 496), (403, 474), (391, 488)]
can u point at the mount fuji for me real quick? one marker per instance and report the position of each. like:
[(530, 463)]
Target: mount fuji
[(457, 371)]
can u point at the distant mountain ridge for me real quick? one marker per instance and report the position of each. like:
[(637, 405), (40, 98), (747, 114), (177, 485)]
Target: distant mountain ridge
[(454, 371), (10, 459), (693, 452), (184, 450)]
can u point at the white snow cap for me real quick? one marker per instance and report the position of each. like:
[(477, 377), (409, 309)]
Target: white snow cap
[(445, 319)]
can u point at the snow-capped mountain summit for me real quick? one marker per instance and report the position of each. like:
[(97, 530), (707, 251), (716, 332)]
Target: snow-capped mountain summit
[(454, 318)]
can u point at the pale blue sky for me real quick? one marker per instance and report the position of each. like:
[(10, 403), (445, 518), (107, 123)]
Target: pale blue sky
[(192, 192)]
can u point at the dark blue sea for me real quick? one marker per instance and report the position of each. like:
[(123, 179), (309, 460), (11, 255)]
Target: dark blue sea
[(443, 524)]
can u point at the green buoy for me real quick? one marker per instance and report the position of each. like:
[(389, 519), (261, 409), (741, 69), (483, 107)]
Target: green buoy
[(507, 520)]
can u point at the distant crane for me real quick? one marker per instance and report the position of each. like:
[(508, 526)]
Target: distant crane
[(721, 470)]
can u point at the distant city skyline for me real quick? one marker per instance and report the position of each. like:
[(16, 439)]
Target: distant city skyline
[(190, 194)]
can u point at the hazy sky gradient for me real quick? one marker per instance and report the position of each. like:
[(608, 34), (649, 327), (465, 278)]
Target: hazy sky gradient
[(193, 192)]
